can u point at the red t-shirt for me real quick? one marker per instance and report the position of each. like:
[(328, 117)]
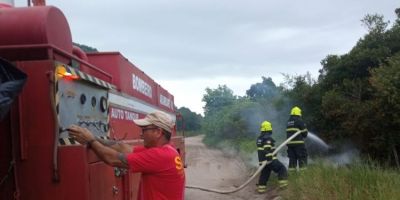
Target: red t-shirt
[(163, 176)]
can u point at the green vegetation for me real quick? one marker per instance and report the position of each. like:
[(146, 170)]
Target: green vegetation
[(188, 121), (356, 98), (354, 95), (236, 120), (358, 181), (86, 48)]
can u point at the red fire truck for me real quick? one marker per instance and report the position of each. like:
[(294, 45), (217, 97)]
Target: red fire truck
[(103, 92)]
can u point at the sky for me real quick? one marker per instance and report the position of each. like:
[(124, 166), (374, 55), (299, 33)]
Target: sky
[(189, 45)]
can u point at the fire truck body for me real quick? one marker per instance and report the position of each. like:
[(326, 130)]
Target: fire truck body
[(103, 92)]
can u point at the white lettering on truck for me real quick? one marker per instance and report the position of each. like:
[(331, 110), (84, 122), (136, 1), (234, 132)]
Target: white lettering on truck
[(117, 113), (141, 86), (123, 114), (165, 101), (131, 116)]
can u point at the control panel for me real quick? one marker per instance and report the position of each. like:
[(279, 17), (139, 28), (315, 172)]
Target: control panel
[(82, 103)]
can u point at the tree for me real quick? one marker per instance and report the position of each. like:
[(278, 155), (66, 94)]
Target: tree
[(216, 99), (192, 120), (235, 121), (356, 97), (386, 82), (357, 94), (265, 89), (303, 91), (86, 48), (375, 23), (232, 123)]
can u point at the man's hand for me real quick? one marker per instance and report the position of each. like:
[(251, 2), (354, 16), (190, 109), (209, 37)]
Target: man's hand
[(81, 135), (107, 154)]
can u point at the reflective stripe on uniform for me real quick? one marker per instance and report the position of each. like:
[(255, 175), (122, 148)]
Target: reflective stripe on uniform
[(283, 183), (261, 188), (267, 145), (293, 129), (260, 148), (271, 155), (296, 142)]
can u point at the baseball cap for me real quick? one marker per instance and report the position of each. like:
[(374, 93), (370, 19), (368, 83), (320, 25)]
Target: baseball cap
[(157, 118)]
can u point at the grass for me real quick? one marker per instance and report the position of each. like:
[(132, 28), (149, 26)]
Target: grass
[(358, 181)]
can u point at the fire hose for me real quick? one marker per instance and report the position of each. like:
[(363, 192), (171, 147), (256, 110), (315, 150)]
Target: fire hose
[(260, 168)]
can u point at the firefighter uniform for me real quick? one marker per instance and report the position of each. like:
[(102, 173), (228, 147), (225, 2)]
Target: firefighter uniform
[(265, 147), (297, 152)]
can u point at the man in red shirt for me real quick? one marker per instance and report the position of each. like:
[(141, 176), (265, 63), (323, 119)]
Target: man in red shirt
[(163, 176)]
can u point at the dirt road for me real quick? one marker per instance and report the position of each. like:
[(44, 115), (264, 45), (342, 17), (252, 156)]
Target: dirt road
[(212, 169)]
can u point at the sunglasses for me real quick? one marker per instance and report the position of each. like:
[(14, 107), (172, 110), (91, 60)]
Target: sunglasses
[(149, 128)]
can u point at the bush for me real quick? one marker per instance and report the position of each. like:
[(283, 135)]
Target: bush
[(362, 181)]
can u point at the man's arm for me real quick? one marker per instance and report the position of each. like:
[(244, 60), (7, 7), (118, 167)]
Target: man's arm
[(109, 155), (303, 128), (105, 153), (268, 149), (118, 146)]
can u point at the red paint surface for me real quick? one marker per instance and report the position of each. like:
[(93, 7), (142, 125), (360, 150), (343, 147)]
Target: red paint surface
[(36, 38)]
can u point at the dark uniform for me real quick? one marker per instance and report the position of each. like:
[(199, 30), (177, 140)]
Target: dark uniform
[(265, 147), (297, 152)]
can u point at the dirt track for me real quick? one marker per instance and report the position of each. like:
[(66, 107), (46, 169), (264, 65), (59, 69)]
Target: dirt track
[(211, 169)]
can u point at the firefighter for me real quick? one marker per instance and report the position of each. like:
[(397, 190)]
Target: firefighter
[(297, 152), (265, 147)]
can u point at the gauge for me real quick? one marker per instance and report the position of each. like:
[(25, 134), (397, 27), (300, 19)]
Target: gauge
[(103, 104), (94, 101), (83, 99)]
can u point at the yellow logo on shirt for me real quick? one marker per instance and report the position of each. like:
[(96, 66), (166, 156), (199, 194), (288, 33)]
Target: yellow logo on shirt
[(178, 163)]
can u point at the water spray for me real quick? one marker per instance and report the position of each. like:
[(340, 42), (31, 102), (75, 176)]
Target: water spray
[(260, 168)]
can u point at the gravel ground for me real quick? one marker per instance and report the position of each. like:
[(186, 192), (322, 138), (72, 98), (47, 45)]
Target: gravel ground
[(210, 168)]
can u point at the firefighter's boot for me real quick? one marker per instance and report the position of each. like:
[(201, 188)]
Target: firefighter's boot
[(283, 184), (261, 189)]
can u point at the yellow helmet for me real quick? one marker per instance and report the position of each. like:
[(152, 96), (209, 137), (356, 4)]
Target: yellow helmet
[(266, 126), (295, 111)]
